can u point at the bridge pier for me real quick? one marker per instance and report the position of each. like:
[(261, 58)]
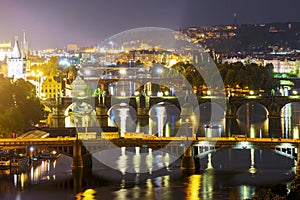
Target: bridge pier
[(298, 161), (58, 121), (274, 126), (231, 125), (187, 160), (102, 117), (77, 179), (29, 153), (274, 120), (77, 161)]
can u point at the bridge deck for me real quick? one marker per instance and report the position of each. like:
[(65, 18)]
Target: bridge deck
[(159, 141)]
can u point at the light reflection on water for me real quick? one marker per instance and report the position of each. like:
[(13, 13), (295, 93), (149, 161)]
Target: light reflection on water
[(230, 174), (223, 175), (252, 120)]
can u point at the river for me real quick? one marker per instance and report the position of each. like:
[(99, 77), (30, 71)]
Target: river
[(228, 174)]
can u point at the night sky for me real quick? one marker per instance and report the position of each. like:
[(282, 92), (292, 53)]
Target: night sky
[(54, 23)]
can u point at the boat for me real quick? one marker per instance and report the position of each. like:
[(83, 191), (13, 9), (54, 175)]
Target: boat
[(4, 162), (212, 126), (46, 155), (19, 161)]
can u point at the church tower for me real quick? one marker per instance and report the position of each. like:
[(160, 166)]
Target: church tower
[(16, 62), (24, 46)]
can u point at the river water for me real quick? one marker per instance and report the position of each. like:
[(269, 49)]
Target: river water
[(228, 174)]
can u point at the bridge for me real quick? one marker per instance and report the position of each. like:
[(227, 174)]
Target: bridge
[(187, 148), (143, 103)]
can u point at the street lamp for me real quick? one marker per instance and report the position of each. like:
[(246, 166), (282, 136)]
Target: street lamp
[(112, 45)]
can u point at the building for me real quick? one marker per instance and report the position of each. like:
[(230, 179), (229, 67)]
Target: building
[(17, 63), (72, 48), (51, 87), (280, 66), (5, 50)]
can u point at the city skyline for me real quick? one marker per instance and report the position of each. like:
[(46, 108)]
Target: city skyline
[(54, 24)]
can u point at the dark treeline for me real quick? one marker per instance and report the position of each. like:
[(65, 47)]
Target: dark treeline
[(279, 191), (249, 76), (19, 106)]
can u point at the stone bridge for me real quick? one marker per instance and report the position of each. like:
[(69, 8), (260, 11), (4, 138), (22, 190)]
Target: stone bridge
[(187, 148), (142, 104)]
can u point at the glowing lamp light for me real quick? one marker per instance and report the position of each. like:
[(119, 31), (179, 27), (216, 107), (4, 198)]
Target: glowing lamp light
[(159, 70), (244, 145), (123, 94), (295, 92), (64, 62), (122, 71), (160, 94)]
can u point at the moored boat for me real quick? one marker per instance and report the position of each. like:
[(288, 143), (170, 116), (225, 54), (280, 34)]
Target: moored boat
[(47, 155), (19, 161), (4, 162)]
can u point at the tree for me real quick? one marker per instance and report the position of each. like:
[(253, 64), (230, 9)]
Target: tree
[(19, 106), (71, 72), (272, 192), (250, 76), (294, 189), (51, 67)]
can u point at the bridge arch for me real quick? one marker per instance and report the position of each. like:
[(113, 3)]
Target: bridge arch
[(207, 108), (290, 120), (288, 150), (122, 115), (248, 109), (80, 114), (165, 116)]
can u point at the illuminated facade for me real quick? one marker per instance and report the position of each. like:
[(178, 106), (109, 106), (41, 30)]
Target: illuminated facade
[(5, 50), (17, 60), (51, 87)]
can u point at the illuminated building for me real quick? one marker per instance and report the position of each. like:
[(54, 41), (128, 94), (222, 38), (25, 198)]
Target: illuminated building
[(5, 50), (51, 87), (72, 47), (17, 60)]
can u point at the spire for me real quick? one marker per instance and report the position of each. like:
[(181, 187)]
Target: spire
[(25, 45), (234, 18), (16, 50)]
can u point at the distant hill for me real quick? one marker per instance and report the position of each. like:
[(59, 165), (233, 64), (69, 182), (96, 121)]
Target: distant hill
[(248, 37)]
